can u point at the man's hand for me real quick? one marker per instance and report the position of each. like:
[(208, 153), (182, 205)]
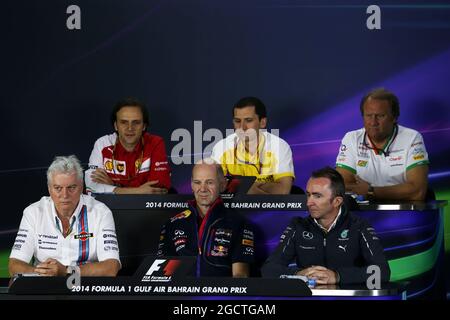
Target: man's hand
[(321, 274), (281, 186), (256, 188), (147, 188), (360, 187), (101, 176), (51, 268)]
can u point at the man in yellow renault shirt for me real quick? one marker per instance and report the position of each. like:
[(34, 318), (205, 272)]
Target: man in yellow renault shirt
[(251, 151)]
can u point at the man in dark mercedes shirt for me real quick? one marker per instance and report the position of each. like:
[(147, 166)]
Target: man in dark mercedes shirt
[(331, 245)]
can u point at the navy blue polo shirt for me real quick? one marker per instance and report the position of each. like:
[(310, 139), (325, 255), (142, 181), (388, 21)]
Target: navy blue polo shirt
[(222, 238)]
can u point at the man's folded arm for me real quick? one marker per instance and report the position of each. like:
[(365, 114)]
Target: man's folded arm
[(19, 266), (281, 186)]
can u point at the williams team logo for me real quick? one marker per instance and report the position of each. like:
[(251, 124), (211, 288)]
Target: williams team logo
[(83, 236)]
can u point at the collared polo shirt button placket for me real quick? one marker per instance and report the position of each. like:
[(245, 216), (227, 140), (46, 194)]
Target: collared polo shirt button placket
[(66, 248)]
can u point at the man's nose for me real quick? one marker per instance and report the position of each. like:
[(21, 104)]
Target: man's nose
[(65, 193), (240, 125), (373, 121)]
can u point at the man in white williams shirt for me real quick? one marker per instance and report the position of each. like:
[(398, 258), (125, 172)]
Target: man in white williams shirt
[(66, 229)]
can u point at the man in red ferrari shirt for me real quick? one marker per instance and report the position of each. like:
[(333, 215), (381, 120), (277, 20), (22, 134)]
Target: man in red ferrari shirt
[(129, 161)]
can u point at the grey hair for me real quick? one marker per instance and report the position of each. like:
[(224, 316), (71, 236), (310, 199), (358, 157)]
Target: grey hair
[(66, 165)]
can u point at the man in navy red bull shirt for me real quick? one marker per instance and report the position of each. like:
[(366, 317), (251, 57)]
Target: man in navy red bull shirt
[(220, 238)]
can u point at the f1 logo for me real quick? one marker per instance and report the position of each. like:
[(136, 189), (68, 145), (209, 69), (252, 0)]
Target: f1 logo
[(155, 266)]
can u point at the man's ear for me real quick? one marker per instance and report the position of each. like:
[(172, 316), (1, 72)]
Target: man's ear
[(263, 123), (115, 125), (223, 185), (338, 201)]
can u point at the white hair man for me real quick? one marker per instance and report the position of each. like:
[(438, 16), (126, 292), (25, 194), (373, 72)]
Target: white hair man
[(66, 229)]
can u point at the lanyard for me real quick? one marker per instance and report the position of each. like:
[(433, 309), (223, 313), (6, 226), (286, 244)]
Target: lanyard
[(388, 145), (257, 164)]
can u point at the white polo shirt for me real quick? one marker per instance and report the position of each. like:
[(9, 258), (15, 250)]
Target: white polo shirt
[(92, 237), (402, 152), (272, 162)]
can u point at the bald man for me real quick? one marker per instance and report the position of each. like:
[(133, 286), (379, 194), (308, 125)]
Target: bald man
[(220, 238)]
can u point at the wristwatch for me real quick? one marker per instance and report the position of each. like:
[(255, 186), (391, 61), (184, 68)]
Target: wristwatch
[(370, 193)]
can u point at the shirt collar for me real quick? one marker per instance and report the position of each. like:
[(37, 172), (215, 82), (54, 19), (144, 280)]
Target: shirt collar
[(73, 217), (332, 225), (242, 155)]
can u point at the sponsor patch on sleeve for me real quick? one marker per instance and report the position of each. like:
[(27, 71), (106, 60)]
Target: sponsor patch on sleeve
[(181, 215), (284, 234), (362, 163)]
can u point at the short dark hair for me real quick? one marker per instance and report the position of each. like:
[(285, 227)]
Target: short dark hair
[(260, 108), (337, 185), (382, 94), (130, 102)]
